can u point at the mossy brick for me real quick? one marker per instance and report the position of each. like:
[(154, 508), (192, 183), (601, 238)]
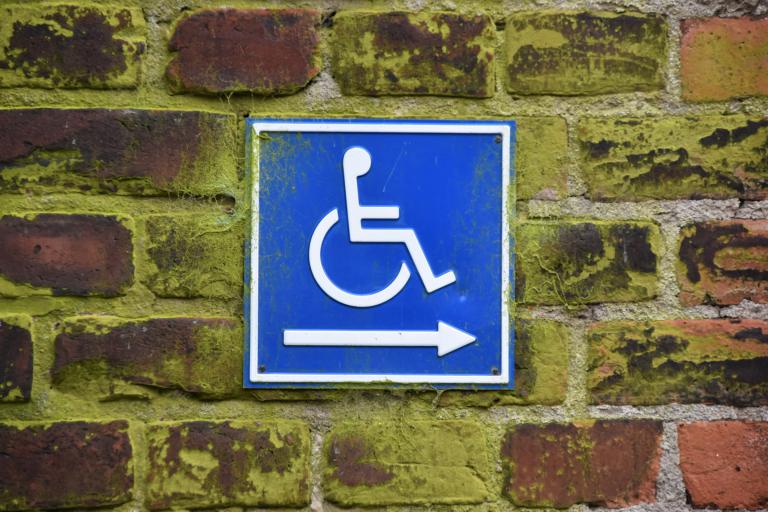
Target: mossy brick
[(194, 256), (380, 463), (65, 465), (139, 152), (696, 157), (541, 369), (396, 53), (203, 464), (723, 263), (582, 53), (61, 254), (724, 464), (78, 45), (262, 51), (722, 362), (15, 358), (575, 262), (610, 463), (108, 358), (724, 58), (540, 158)]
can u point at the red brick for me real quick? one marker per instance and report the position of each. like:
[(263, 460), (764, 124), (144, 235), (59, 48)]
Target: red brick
[(244, 50), (443, 54), (200, 464), (725, 463), (145, 152), (71, 46), (15, 359), (723, 58), (605, 463), (723, 262), (65, 465), (112, 357), (685, 361), (66, 254)]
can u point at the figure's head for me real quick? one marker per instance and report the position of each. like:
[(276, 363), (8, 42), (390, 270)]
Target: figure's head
[(357, 161)]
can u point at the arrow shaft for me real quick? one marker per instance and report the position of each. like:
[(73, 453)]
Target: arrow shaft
[(360, 338)]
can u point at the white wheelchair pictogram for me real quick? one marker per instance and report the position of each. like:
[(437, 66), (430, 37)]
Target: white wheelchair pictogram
[(357, 163)]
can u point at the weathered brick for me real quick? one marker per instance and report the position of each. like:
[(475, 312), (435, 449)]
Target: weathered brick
[(585, 262), (674, 157), (215, 464), (193, 256), (147, 152), (65, 465), (540, 155), (111, 357), (264, 51), (15, 358), (380, 463), (541, 369), (604, 463), (723, 58), (686, 361), (71, 46), (437, 53), (573, 53), (723, 262), (59, 254), (725, 464)]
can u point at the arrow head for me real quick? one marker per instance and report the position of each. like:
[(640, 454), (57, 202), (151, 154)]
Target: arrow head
[(450, 338)]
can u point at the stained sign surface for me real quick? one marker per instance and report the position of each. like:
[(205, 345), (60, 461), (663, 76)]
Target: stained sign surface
[(380, 252)]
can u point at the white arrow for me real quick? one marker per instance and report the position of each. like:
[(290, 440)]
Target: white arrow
[(446, 338)]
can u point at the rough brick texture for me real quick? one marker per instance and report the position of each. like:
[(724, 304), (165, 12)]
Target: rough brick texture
[(144, 152), (15, 358), (540, 156), (107, 357), (572, 262), (724, 58), (383, 463), (244, 50), (190, 256), (541, 369), (64, 255), (723, 262), (440, 53), (65, 465), (70, 46), (605, 463), (215, 464), (674, 157), (725, 464), (572, 53), (687, 361)]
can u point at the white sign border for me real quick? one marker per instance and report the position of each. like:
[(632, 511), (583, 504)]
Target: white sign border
[(371, 127)]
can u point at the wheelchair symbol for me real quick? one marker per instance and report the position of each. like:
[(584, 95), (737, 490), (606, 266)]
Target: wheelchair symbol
[(357, 163)]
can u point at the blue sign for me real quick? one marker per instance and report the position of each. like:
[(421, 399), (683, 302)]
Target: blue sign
[(380, 253)]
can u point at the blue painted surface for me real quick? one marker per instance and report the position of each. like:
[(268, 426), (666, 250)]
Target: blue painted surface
[(449, 190)]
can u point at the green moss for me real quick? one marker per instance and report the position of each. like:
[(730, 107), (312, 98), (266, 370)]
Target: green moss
[(674, 157), (444, 54), (384, 463), (572, 53), (686, 361), (192, 256), (584, 262), (540, 158), (229, 463), (28, 57)]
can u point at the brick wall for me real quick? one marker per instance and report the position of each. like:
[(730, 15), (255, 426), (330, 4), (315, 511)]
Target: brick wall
[(642, 232)]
